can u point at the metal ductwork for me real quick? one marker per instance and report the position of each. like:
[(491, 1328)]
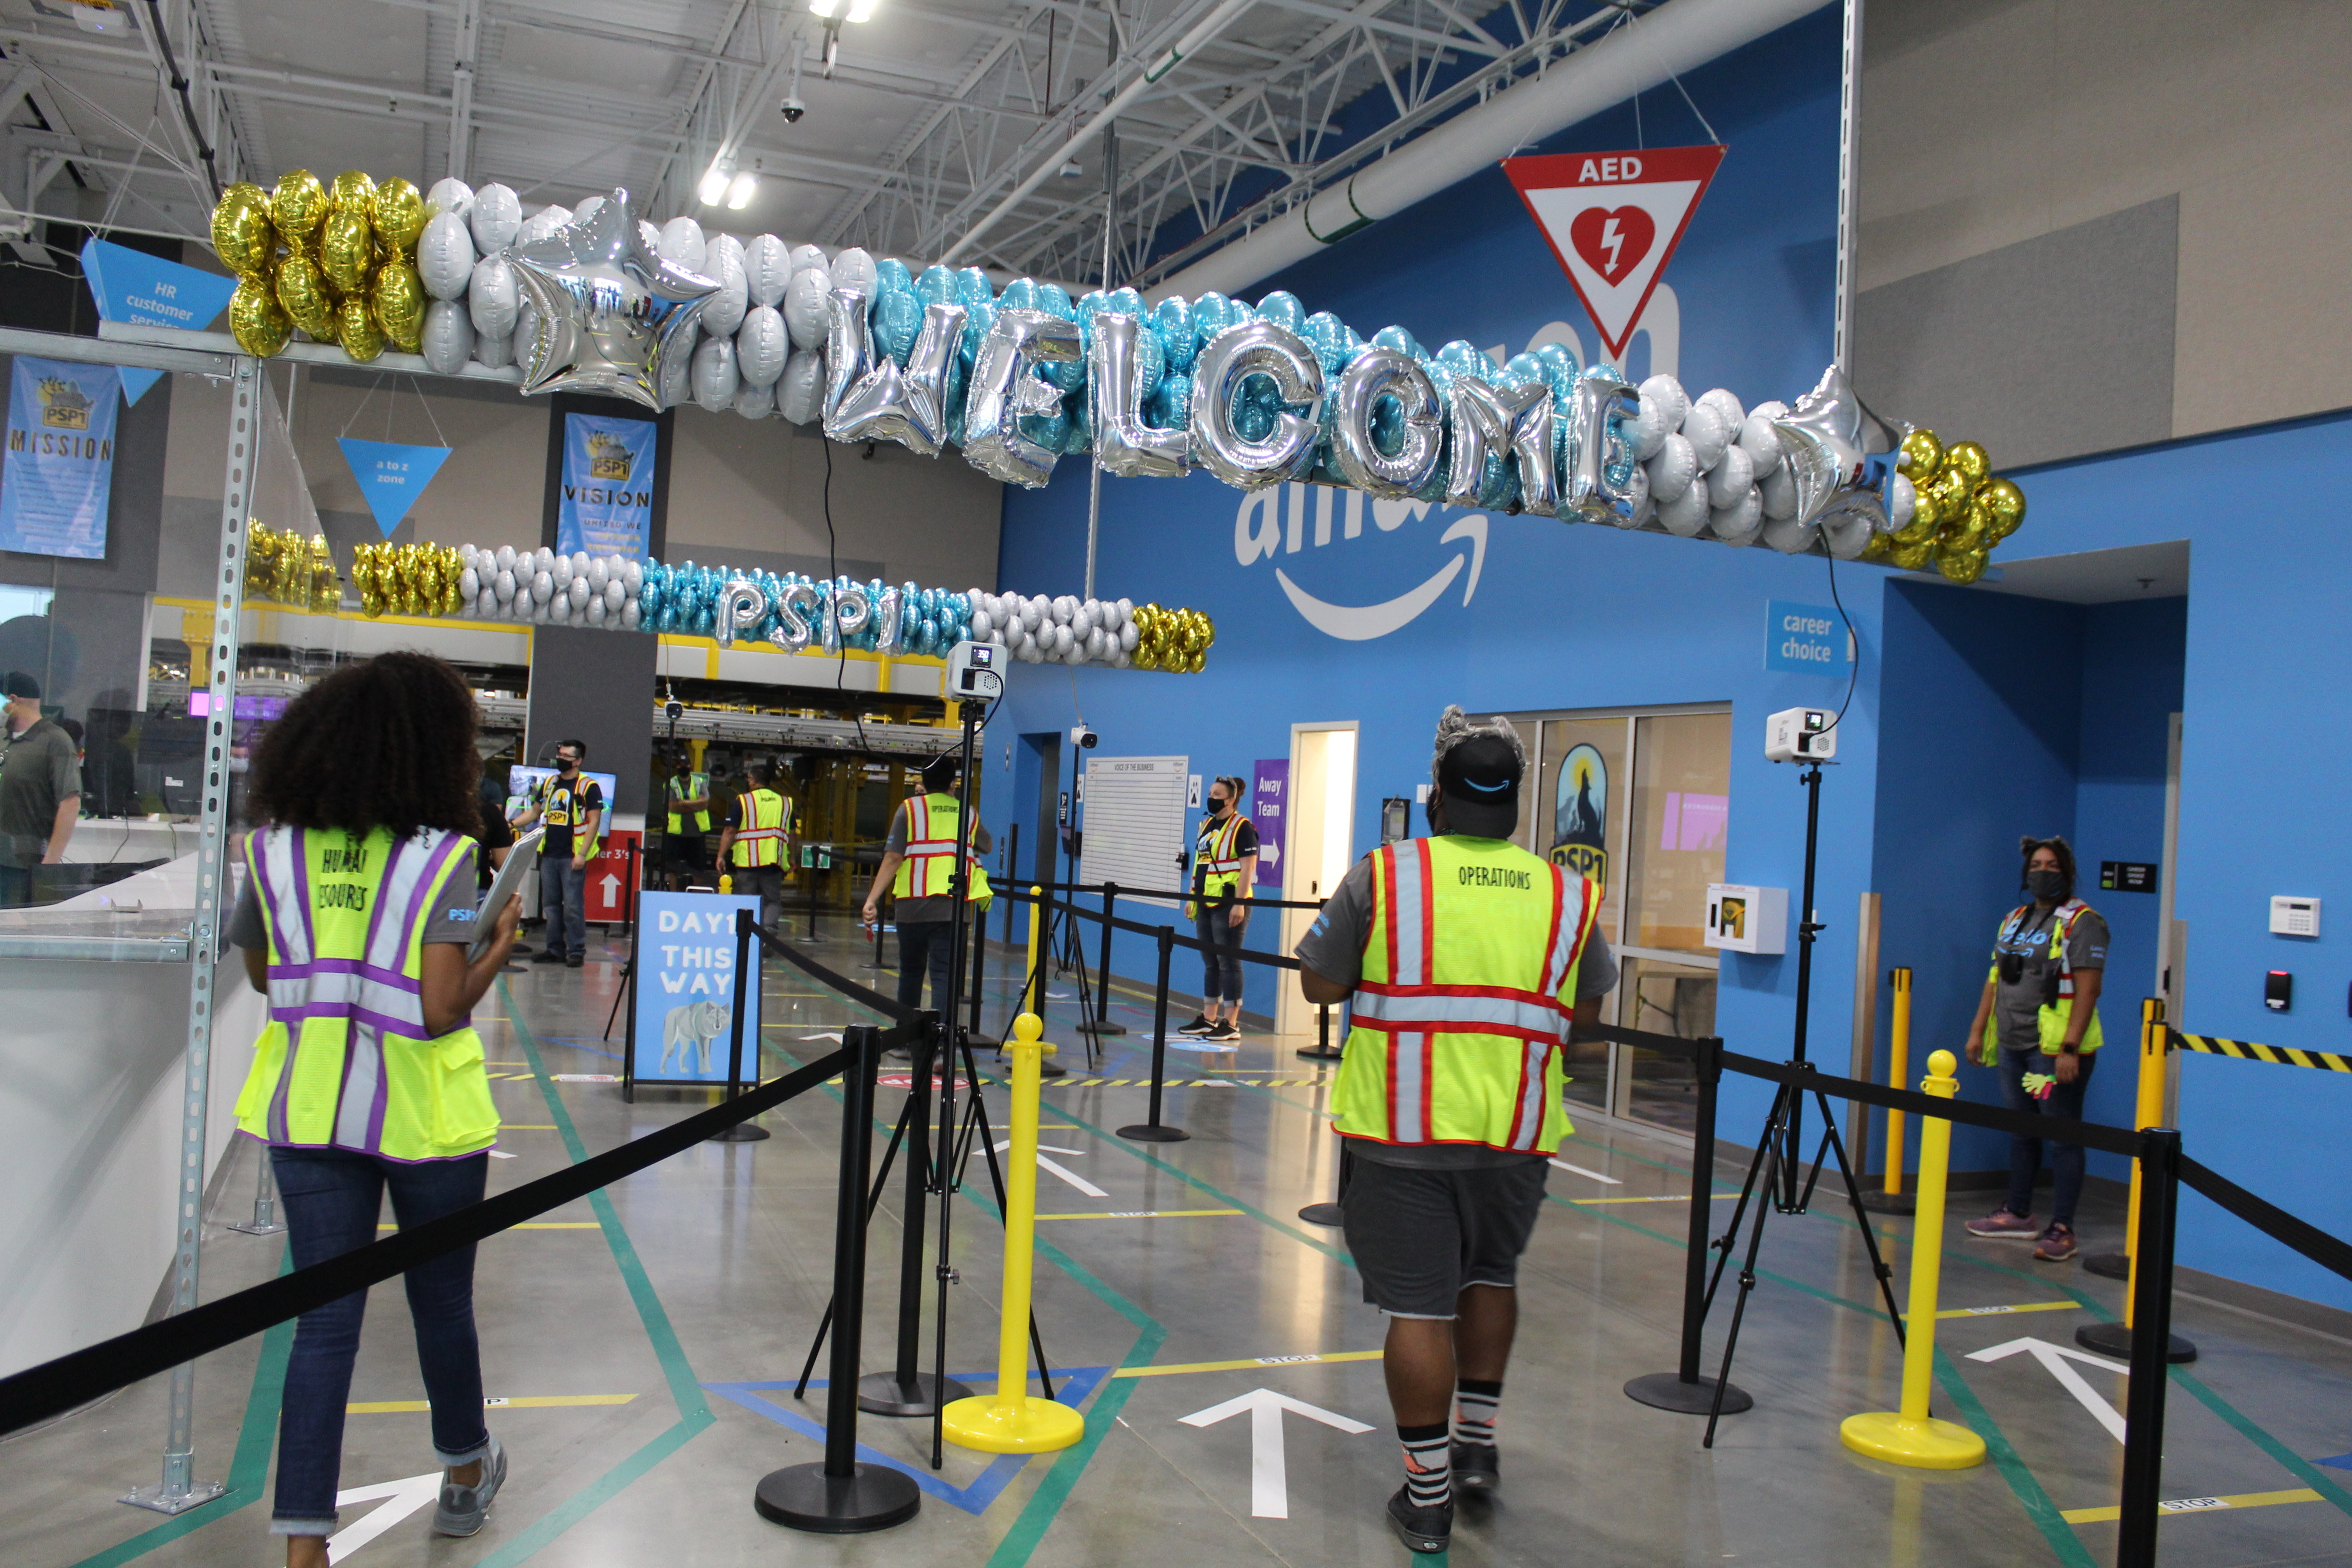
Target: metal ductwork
[(1676, 37)]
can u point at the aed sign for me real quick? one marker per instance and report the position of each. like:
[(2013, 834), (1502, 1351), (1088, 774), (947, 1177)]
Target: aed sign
[(1806, 637)]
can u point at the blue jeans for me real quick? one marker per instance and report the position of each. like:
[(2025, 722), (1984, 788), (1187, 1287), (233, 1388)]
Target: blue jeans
[(332, 1197), (925, 947), (2025, 1153), (1222, 972), (563, 899)]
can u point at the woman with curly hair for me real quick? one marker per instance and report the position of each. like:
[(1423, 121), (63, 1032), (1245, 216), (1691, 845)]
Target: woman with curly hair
[(356, 917)]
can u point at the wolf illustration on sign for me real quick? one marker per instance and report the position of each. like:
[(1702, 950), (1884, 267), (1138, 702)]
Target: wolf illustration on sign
[(689, 1029)]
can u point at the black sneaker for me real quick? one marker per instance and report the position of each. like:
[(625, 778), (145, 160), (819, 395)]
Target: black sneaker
[(1424, 1530), (1477, 1470), (1199, 1025), (575, 961), (547, 955), (1223, 1029)]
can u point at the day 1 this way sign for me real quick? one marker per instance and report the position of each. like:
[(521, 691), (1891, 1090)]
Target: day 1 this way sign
[(1613, 219)]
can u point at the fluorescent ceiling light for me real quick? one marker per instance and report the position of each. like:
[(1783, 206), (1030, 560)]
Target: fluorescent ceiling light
[(861, 10), (823, 9), (739, 195), (714, 186)]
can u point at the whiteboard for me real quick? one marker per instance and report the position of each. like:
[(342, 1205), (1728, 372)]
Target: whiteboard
[(1135, 822)]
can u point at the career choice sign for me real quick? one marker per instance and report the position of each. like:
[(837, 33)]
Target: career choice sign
[(686, 989)]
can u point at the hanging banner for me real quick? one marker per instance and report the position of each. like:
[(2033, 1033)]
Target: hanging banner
[(1612, 220), (392, 476), (60, 463), (607, 504), (686, 989), (146, 290), (1270, 811)]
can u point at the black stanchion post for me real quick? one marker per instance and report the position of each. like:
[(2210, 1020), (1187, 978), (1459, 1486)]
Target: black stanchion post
[(2160, 1197), (1012, 874), (1684, 1390), (1322, 1050), (1101, 1023), (1332, 1214), (1154, 1130), (903, 1390), (741, 1131), (979, 958), (842, 1497)]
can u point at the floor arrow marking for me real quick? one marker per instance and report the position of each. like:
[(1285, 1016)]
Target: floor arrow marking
[(1269, 1475), (2054, 1358)]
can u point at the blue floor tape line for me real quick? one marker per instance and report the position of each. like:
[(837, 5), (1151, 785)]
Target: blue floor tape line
[(974, 1499)]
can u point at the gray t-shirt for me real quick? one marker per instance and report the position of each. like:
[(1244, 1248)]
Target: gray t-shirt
[(1333, 948), (37, 770), (452, 919), (2017, 1005), (939, 906)]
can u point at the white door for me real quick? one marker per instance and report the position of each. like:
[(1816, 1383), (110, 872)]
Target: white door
[(1320, 843)]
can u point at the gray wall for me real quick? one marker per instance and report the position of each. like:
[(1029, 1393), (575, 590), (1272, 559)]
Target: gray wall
[(597, 687)]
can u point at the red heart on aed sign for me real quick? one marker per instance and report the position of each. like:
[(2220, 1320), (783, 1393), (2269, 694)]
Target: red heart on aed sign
[(1612, 243)]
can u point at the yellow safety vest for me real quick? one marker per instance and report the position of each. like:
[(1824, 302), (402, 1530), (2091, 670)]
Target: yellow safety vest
[(930, 850), (767, 818), (344, 1062), (2052, 1019), (1468, 979), (694, 786), (1212, 853), (559, 806)]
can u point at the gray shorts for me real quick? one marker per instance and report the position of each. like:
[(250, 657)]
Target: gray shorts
[(1419, 1237)]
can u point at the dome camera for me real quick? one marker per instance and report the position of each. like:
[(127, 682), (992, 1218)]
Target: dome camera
[(793, 109)]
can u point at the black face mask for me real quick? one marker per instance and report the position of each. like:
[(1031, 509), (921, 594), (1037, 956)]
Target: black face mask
[(2046, 885)]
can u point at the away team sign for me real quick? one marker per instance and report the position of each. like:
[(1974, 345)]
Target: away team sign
[(1612, 220)]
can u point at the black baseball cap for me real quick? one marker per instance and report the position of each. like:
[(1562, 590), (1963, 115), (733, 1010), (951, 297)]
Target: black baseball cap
[(20, 684), (1480, 781)]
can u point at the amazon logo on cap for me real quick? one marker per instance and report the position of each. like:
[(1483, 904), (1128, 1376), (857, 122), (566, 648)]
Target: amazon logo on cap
[(1276, 523)]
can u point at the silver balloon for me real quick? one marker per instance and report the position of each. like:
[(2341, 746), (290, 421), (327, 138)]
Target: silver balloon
[(449, 339), (613, 312), (887, 613), (1003, 392), (868, 398), (1498, 421), (852, 608), (1124, 444), (1599, 457), (1230, 359), (1378, 372), (491, 297), (1832, 441), (797, 609), (741, 603)]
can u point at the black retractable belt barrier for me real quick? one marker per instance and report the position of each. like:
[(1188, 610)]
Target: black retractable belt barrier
[(841, 1496), (1154, 1130), (746, 922), (1684, 1390), (2269, 1218), (1101, 1023), (56, 1386)]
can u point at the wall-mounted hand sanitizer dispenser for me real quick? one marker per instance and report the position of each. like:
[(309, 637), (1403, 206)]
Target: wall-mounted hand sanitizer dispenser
[(1742, 919)]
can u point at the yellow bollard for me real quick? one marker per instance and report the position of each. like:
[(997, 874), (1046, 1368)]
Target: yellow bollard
[(1911, 1436), (1012, 1420), (1898, 1071), (2147, 1111), (1027, 1002)]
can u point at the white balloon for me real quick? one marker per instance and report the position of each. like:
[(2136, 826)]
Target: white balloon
[(983, 623), (577, 593), (448, 337), (681, 241), (1671, 470), (503, 586), (724, 264), (506, 557), (762, 346), (493, 296), (1032, 616), (630, 614), (800, 391), (543, 559), (496, 218), (593, 611), (470, 583), (1732, 475), (805, 256), (853, 269), (1760, 441), (633, 575), (1095, 642), (1725, 403), (495, 352), (1789, 535), (558, 611), (1126, 610), (767, 268), (714, 246), (542, 223), (1738, 522), (1686, 514), (616, 596), (1778, 486), (579, 563), (1082, 621), (806, 315), (1651, 428), (1065, 607), (486, 603), (543, 585), (714, 380), (1709, 434), (755, 402), (677, 379), (596, 575), (1668, 394), (445, 257), (450, 194), (1903, 500)]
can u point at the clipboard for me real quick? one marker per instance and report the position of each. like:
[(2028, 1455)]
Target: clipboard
[(520, 861)]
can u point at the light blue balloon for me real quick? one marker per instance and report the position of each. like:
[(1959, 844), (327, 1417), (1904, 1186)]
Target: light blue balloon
[(890, 273), (1282, 308), (937, 286), (972, 288), (897, 319), (1171, 323)]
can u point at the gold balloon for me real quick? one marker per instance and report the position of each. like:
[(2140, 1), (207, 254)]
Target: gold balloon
[(352, 192), (400, 305), (2007, 503), (1968, 457), (1952, 489), (242, 238), (255, 320), (298, 206), (1926, 517), (302, 291), (1208, 629), (1196, 662), (344, 248), (356, 330), (1879, 546), (1912, 554), (1962, 566), (1922, 455), (398, 214)]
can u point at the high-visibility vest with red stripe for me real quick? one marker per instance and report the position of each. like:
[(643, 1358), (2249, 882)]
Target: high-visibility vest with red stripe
[(930, 853), (767, 817), (1461, 1014), (2052, 1018)]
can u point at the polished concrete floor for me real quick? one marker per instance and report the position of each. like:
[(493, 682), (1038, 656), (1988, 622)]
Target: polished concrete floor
[(640, 1349)]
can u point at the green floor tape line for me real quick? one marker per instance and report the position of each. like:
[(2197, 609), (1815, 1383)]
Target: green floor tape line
[(256, 1437)]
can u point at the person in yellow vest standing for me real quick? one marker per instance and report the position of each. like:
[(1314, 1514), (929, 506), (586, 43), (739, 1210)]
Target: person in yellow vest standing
[(1466, 958), (686, 849), (573, 807), (754, 841), (356, 916), (917, 860), (2039, 1018), (1224, 870)]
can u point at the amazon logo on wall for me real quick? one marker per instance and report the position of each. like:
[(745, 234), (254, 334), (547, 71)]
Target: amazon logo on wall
[(1295, 525)]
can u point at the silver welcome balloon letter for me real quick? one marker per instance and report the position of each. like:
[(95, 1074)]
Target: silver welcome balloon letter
[(1601, 486), (1003, 392), (868, 398), (1499, 422), (1378, 372), (1229, 360), (1124, 444)]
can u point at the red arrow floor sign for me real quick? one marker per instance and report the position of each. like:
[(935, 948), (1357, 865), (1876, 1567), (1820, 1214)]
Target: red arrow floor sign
[(1612, 220)]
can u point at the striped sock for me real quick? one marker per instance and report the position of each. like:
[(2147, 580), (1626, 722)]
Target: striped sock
[(1475, 1403), (1428, 1464)]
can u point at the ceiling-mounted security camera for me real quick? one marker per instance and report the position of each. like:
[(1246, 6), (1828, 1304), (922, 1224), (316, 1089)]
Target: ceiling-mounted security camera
[(793, 109)]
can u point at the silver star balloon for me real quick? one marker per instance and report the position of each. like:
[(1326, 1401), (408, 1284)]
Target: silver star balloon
[(614, 314), (1831, 440)]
